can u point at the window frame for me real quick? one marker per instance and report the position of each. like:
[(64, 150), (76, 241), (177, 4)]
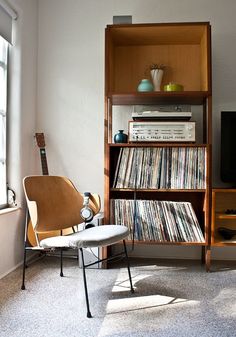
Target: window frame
[(4, 65)]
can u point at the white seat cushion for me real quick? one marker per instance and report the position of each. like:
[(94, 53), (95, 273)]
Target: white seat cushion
[(104, 235)]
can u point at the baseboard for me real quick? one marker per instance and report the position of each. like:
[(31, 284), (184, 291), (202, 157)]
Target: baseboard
[(10, 270)]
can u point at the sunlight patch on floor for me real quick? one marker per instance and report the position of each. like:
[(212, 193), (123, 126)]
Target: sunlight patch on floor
[(138, 301), (142, 302), (123, 284)]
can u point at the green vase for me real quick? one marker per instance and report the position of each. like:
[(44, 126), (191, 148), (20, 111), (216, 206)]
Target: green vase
[(145, 85)]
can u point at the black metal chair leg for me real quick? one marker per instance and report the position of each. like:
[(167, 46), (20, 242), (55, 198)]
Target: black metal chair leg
[(61, 258), (128, 267), (85, 285), (24, 266)]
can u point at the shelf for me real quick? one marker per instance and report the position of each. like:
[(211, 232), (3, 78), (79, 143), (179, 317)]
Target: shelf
[(223, 190), (223, 216), (162, 97), (155, 144), (223, 243), (166, 243), (157, 33), (157, 190), (222, 199)]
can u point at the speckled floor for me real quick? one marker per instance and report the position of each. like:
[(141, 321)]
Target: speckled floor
[(171, 299)]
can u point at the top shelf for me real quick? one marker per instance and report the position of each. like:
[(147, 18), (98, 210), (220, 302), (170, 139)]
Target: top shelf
[(183, 49), (158, 33), (162, 97)]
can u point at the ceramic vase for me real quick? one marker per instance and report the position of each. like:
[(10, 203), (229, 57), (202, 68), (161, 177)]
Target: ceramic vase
[(157, 75), (145, 85), (120, 137)]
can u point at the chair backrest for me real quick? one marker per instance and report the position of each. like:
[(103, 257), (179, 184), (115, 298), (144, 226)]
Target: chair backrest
[(54, 203)]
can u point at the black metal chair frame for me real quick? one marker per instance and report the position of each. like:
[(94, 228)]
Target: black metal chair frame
[(84, 266)]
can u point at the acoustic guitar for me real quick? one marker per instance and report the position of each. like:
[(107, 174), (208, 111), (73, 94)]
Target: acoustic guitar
[(30, 231)]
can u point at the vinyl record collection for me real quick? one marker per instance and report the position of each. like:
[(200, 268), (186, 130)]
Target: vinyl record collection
[(161, 168), (162, 221)]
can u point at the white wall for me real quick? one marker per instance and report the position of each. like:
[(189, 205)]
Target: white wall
[(11, 236), (70, 90), (71, 82), (22, 112)]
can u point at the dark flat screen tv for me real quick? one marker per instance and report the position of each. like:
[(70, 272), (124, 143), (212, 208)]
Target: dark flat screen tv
[(228, 147)]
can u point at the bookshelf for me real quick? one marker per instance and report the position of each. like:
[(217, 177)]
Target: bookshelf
[(185, 50), (223, 201)]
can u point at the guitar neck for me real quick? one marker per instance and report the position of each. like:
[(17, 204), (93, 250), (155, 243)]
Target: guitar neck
[(44, 161)]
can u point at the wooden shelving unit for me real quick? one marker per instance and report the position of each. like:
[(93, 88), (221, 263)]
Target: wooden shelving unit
[(223, 199), (185, 50)]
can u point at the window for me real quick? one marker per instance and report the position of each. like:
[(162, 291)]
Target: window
[(3, 113)]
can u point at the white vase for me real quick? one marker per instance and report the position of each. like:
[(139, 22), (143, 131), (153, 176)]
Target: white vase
[(157, 75)]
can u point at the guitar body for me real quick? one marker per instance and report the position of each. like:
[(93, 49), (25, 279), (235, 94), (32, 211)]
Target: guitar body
[(30, 231)]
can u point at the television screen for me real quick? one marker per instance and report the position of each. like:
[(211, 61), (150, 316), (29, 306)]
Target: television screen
[(228, 146)]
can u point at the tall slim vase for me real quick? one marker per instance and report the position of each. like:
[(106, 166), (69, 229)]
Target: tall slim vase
[(157, 75)]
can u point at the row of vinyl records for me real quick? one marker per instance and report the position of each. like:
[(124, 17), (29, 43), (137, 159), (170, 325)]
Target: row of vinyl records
[(154, 220), (161, 168)]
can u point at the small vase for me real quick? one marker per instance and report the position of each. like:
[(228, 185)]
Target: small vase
[(145, 85), (120, 137), (157, 75)]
